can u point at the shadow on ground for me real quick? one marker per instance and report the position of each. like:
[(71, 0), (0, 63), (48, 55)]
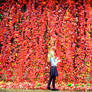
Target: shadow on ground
[(38, 90)]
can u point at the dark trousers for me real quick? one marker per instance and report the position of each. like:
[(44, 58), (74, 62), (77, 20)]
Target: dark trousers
[(50, 79)]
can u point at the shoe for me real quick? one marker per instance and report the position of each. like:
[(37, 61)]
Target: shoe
[(54, 89), (48, 88)]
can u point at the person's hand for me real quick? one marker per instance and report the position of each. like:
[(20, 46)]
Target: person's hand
[(59, 60)]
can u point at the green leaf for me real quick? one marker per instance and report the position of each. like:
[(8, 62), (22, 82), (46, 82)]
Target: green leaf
[(4, 78), (13, 78), (38, 76), (76, 84), (18, 24), (69, 84), (21, 22), (63, 58), (16, 28), (38, 84), (88, 78), (82, 85), (22, 16), (1, 17), (88, 84)]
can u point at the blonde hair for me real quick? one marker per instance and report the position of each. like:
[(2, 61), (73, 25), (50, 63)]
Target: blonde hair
[(50, 54)]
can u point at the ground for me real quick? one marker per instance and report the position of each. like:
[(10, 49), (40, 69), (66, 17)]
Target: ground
[(38, 90)]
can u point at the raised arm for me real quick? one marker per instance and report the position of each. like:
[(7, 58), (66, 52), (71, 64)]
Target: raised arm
[(58, 60)]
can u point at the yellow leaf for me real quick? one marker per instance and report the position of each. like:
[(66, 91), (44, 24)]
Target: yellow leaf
[(9, 83), (16, 54), (1, 82)]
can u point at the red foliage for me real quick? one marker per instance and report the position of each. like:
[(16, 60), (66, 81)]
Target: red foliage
[(25, 38)]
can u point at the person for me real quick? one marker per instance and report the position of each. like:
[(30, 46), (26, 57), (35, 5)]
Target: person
[(53, 69)]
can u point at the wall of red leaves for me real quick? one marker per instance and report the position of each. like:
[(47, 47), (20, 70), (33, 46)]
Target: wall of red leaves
[(29, 28)]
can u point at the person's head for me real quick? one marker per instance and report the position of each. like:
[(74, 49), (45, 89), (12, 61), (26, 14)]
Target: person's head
[(50, 54), (52, 51)]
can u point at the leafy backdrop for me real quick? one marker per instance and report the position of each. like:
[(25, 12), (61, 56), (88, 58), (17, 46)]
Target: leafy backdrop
[(29, 28)]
